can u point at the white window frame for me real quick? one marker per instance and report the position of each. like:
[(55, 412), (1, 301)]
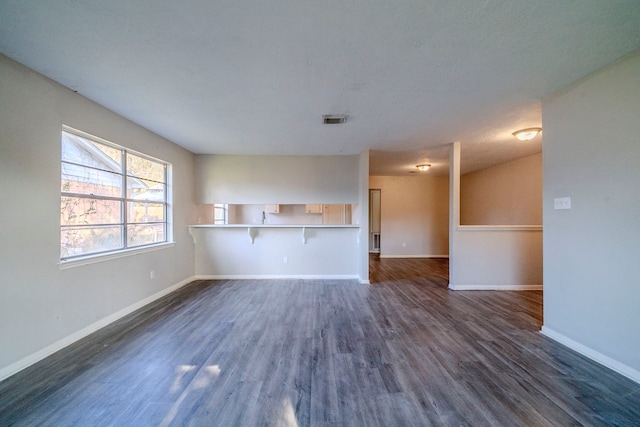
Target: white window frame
[(125, 249), (225, 213)]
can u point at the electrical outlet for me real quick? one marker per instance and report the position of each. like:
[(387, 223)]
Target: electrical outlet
[(285, 259), (152, 274), (562, 203), (404, 245)]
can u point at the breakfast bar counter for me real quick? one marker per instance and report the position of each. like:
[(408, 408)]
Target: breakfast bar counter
[(276, 251)]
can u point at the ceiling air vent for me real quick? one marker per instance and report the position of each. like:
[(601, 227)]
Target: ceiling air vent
[(334, 119)]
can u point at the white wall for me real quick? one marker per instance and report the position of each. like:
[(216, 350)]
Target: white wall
[(40, 304), (227, 252), (360, 214), (281, 180), (490, 257), (506, 194), (276, 179), (414, 212), (591, 151)]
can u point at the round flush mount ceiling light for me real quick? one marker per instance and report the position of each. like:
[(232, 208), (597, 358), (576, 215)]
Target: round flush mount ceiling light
[(527, 134), (423, 167)]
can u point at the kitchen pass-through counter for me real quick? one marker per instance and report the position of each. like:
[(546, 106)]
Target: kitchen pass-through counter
[(276, 250)]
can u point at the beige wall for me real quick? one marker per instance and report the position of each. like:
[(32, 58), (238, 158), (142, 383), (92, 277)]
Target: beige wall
[(483, 257), (591, 270), (276, 179), (507, 194), (41, 305), (415, 212)]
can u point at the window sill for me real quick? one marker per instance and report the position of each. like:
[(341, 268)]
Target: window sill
[(92, 259)]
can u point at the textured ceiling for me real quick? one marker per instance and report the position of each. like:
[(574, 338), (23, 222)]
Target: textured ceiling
[(255, 77)]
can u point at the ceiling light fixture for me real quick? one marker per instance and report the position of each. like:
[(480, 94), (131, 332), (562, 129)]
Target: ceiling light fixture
[(527, 134), (423, 167)]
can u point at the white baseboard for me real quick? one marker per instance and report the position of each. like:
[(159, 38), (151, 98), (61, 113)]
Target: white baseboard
[(21, 364), (592, 354), (495, 288), (277, 276), (364, 282), (414, 256)]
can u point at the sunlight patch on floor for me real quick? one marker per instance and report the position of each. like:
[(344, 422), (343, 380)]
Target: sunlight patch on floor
[(286, 415), (181, 371)]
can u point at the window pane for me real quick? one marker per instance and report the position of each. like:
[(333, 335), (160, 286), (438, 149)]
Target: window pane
[(94, 206), (90, 153), (145, 212), (76, 241), (85, 211), (83, 180), (144, 168), (145, 234), (141, 189), (219, 214)]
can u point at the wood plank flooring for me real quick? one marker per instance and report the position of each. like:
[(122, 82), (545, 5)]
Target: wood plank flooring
[(402, 351)]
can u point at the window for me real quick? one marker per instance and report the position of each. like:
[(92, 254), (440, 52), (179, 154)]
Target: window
[(111, 198), (220, 213)]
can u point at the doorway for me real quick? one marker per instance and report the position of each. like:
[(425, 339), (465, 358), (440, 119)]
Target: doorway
[(375, 196)]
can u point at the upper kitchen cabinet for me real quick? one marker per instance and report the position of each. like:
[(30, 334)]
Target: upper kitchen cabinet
[(313, 209), (272, 209)]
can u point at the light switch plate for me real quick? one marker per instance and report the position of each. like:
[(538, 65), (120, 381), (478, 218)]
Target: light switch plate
[(562, 203)]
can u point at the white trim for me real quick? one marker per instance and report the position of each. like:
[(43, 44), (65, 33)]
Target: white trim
[(103, 141), (414, 256), (592, 354), (499, 228), (277, 276), (92, 259), (495, 287), (364, 282), (33, 358)]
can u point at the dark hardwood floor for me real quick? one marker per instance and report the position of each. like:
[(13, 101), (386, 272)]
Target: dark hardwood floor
[(402, 351)]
